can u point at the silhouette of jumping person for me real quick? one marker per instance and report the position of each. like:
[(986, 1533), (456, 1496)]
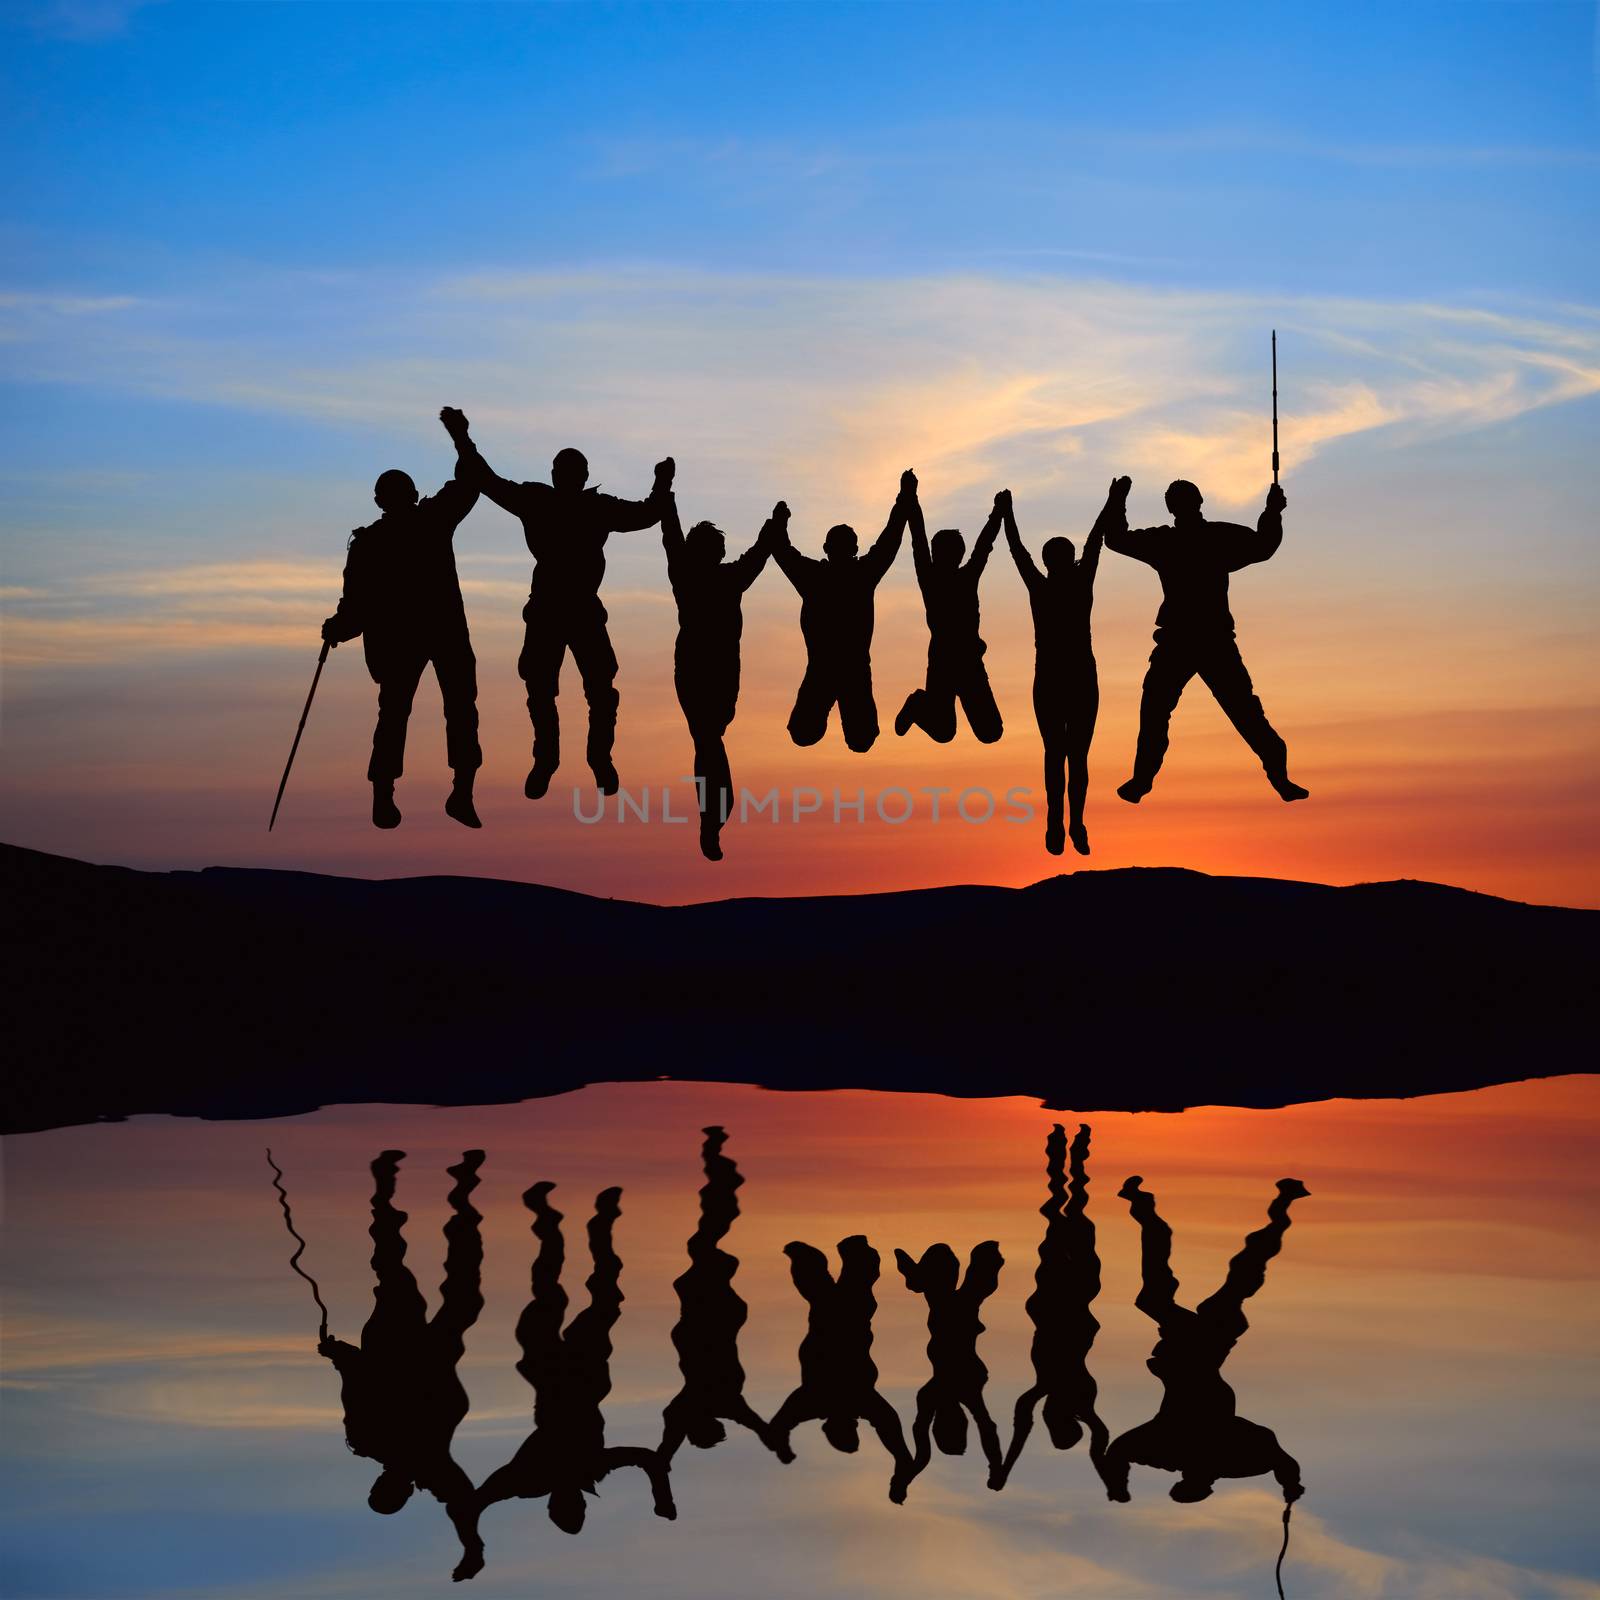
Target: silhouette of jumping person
[(1197, 1432), (838, 1378), (403, 1400), (1064, 1328), (402, 596), (955, 649), (836, 620), (705, 661), (711, 1314), (566, 525), (959, 1375), (566, 1455), (1194, 629), (1066, 687)]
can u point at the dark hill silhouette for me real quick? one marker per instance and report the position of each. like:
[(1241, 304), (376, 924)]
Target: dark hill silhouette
[(229, 993)]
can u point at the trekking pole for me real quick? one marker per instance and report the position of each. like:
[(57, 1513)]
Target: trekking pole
[(1274, 405), (283, 782), (288, 1222), (1278, 1572)]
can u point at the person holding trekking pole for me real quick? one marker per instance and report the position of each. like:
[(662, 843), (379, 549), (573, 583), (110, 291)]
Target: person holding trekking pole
[(403, 599)]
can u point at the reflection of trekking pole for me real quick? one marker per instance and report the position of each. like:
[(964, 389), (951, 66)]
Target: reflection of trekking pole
[(288, 1221), (1274, 407), (1288, 1506), (302, 728)]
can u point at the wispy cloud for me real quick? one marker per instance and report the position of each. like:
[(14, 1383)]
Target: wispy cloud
[(1039, 1550), (822, 390), (202, 607), (1289, 142), (65, 305)]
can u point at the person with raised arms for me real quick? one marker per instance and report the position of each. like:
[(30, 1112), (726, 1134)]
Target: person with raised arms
[(1066, 686), (403, 599), (1194, 634), (949, 588), (836, 620), (709, 590), (566, 525)]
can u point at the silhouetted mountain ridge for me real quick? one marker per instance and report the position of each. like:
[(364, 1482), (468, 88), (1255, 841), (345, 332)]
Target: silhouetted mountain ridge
[(233, 992)]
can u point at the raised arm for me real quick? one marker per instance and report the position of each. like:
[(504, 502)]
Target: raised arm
[(886, 546), (671, 530), (628, 516), (456, 497), (1113, 518), (984, 546), (791, 563), (654, 1467), (460, 493), (1254, 1448), (1029, 573), (1137, 543), (1242, 545), (1287, 1471), (472, 469), (921, 555), (747, 567)]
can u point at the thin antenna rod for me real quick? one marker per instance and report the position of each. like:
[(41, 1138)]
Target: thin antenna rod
[(1274, 405), (294, 1260)]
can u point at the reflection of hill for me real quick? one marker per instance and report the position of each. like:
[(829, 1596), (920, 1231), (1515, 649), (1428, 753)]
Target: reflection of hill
[(241, 993)]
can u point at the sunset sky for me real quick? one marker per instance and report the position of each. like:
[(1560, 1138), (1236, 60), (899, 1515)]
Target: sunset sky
[(249, 251)]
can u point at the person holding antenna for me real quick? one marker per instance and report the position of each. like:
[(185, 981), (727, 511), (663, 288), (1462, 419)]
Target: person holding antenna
[(1194, 636)]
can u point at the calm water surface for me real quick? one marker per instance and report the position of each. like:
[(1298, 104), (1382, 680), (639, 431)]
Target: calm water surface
[(1424, 1346)]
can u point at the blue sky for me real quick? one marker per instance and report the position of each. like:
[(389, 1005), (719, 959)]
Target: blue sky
[(1429, 149)]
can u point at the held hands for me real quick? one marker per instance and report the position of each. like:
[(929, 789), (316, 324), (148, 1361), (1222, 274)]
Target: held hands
[(780, 514), (908, 485), (1002, 503), (664, 473), (1120, 487), (455, 423), (1276, 499)]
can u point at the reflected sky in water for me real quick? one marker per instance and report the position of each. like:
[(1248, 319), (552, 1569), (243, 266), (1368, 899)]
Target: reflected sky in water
[(1423, 1346)]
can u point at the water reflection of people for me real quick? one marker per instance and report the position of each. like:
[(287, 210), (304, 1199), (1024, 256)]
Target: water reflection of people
[(838, 1378), (1064, 1328), (711, 1315), (566, 1455), (1197, 1432), (403, 1400), (959, 1375)]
